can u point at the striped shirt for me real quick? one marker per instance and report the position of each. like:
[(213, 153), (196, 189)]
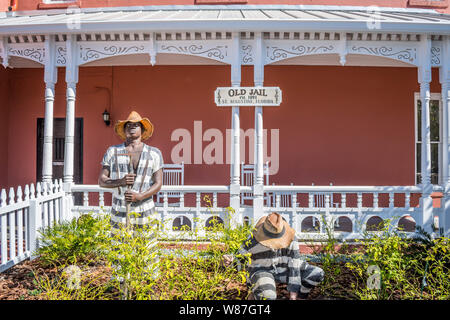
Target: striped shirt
[(284, 264), (117, 160)]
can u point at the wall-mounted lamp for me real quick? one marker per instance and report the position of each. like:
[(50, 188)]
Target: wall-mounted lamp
[(106, 117), (12, 5)]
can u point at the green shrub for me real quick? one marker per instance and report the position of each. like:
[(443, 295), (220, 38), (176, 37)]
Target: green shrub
[(139, 271), (393, 266), (77, 241)]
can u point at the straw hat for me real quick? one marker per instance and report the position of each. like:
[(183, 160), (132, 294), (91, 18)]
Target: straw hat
[(134, 117), (274, 232)]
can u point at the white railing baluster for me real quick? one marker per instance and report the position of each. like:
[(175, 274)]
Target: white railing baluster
[(26, 193), (50, 188), (165, 200), (20, 248), (35, 223), (42, 210), (20, 233), (86, 199), (38, 190), (215, 200), (26, 215), (11, 196), (3, 198), (327, 200), (343, 200), (407, 200), (12, 226), (52, 217), (310, 200), (294, 200), (55, 202), (182, 199), (375, 200), (101, 199), (391, 199), (197, 200), (3, 236), (359, 201), (57, 209), (277, 200), (32, 192), (12, 234)]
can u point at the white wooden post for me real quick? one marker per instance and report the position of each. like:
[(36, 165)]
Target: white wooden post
[(4, 51), (50, 78), (424, 75), (235, 160), (35, 225), (19, 223), (444, 75), (258, 182), (71, 79)]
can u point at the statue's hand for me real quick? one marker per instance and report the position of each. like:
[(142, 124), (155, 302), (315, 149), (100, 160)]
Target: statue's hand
[(128, 179), (132, 196)]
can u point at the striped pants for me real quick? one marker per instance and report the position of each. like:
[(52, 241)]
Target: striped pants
[(264, 282)]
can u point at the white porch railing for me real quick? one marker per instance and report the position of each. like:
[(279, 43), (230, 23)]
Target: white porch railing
[(191, 210), (347, 210), (22, 214), (352, 206)]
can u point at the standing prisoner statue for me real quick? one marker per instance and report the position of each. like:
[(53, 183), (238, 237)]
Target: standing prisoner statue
[(134, 169)]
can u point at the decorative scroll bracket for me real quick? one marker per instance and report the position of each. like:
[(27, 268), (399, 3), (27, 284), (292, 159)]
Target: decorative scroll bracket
[(211, 49), (34, 51)]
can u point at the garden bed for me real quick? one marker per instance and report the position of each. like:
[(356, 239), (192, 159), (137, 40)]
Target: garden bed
[(85, 260), (21, 283)]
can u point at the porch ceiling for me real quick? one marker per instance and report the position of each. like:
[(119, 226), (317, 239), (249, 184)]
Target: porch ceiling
[(225, 18)]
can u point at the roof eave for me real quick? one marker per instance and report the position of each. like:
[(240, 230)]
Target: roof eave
[(228, 25)]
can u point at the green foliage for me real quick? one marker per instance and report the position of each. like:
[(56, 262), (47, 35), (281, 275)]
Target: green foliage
[(62, 288), (201, 275), (137, 269), (76, 241), (134, 258), (329, 253), (401, 265)]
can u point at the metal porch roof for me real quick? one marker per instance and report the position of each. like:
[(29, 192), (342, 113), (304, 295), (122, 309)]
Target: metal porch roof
[(225, 18)]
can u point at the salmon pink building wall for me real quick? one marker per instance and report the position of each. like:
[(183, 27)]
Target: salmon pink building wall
[(4, 109), (441, 6), (345, 125)]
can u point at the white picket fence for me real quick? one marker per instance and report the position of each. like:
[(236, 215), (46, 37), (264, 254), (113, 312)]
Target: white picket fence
[(22, 214)]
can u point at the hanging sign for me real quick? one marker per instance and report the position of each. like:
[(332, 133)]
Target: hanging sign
[(247, 96)]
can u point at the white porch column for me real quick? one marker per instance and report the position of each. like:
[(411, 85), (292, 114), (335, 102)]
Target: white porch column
[(50, 78), (235, 201), (424, 75), (71, 79), (258, 187), (444, 76)]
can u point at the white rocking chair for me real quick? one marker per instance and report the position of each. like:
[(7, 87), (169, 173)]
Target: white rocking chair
[(247, 171), (173, 175)]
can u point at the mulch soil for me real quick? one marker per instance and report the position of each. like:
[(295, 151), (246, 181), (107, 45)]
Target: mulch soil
[(19, 282)]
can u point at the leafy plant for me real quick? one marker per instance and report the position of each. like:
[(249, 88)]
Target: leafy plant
[(401, 266), (79, 240)]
